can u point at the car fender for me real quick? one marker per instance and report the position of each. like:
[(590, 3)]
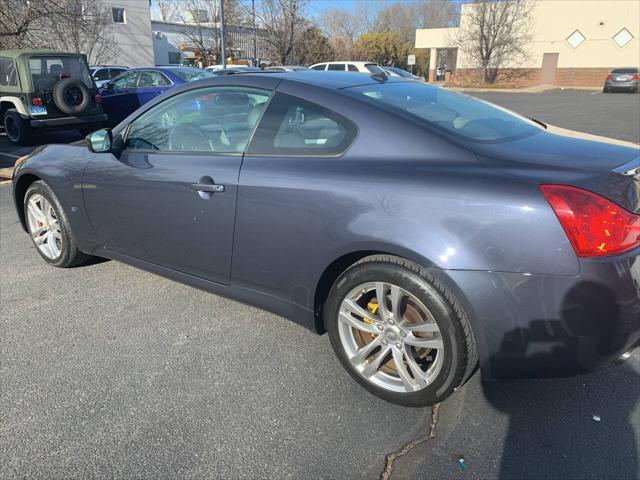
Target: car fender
[(17, 104)]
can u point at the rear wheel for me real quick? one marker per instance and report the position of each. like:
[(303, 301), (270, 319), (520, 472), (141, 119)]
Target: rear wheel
[(17, 129), (399, 332), (49, 228)]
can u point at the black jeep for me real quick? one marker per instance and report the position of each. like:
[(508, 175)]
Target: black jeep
[(41, 89)]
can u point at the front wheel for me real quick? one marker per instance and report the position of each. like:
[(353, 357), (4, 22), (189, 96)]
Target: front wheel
[(49, 228), (399, 332)]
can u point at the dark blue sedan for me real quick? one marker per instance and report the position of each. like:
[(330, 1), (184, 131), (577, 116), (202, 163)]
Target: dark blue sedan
[(132, 89), (426, 231)]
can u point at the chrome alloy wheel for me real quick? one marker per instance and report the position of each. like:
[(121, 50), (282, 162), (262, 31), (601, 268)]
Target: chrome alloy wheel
[(44, 226), (390, 337)]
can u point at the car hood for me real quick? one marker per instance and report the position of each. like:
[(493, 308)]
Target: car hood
[(560, 156)]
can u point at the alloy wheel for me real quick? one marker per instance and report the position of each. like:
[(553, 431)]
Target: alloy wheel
[(390, 337), (44, 226)]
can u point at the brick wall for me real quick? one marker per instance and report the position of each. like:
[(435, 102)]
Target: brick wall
[(526, 77)]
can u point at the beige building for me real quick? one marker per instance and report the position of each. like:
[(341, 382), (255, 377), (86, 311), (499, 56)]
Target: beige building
[(575, 42)]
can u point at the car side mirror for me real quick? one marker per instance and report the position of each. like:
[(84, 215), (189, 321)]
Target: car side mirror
[(100, 141)]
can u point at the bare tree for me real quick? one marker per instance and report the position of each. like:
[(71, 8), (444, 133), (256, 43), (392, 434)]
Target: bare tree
[(344, 26), (21, 21), (167, 9), (82, 26), (284, 24), (495, 33)]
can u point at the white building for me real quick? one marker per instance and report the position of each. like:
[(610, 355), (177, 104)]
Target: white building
[(132, 32)]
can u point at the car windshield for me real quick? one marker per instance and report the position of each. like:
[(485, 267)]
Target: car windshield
[(399, 71), (189, 74), (461, 115), (625, 70), (373, 68), (46, 71)]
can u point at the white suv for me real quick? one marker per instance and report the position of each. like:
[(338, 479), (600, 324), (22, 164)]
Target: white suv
[(349, 66), (104, 73)]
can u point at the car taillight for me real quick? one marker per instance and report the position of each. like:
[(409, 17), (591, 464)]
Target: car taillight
[(635, 77), (36, 101), (609, 77), (595, 226), (97, 98), (65, 75)]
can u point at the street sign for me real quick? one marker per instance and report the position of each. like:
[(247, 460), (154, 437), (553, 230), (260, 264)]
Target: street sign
[(411, 60)]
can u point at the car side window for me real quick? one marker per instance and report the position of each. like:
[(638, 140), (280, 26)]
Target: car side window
[(292, 126), (322, 66), (213, 119), (336, 66), (114, 72), (352, 67), (151, 78), (127, 80), (101, 74)]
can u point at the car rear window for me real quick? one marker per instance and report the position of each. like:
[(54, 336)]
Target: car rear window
[(46, 71), (625, 70), (336, 66), (460, 115), (373, 68), (188, 74)]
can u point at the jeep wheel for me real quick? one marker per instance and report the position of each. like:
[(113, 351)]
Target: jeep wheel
[(71, 96), (18, 130)]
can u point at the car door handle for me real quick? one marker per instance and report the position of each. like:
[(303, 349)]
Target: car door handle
[(206, 187)]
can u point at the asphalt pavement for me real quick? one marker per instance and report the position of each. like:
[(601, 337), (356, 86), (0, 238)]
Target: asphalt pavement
[(110, 372)]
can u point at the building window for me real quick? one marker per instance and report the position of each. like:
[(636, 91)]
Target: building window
[(576, 39), (199, 16), (118, 15), (622, 37)]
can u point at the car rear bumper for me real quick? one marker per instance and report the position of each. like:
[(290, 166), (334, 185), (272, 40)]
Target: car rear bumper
[(612, 85), (84, 120), (546, 326)]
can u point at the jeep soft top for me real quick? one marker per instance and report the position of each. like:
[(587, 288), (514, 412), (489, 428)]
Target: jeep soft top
[(46, 89)]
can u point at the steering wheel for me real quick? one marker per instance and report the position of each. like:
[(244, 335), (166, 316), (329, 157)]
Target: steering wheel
[(190, 137)]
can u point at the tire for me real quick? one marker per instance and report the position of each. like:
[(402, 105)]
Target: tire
[(17, 129), (71, 96), (456, 358), (605, 90), (68, 254)]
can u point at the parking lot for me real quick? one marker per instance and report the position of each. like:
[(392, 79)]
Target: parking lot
[(110, 372)]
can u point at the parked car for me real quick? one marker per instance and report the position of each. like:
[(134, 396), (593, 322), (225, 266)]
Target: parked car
[(398, 72), (235, 69), (622, 79), (476, 235), (287, 68), (349, 66), (217, 68), (43, 89), (102, 74), (132, 89)]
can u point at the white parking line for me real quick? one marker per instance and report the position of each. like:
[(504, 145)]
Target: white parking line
[(9, 155)]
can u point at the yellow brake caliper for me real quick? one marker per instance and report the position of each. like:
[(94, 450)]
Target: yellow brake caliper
[(372, 306)]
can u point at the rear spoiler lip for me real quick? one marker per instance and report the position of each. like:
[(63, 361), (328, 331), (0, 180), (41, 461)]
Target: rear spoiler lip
[(630, 169)]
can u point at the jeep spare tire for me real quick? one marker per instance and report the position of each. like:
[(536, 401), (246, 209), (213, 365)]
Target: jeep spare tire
[(71, 96)]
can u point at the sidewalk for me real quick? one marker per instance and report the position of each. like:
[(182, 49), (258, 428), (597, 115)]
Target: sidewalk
[(533, 89)]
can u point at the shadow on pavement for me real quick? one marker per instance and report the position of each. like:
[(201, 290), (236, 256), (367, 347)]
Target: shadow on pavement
[(576, 427)]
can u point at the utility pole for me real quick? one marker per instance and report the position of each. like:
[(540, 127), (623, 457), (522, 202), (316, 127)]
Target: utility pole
[(222, 49), (255, 44)]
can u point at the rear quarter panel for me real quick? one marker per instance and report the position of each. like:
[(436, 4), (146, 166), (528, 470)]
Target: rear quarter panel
[(399, 190)]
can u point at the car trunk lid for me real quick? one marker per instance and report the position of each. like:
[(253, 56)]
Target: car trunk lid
[(557, 156)]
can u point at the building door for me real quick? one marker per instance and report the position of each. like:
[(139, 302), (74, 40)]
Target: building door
[(549, 67)]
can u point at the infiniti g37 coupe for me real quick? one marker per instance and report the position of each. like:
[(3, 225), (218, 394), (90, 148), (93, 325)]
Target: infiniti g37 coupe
[(426, 231)]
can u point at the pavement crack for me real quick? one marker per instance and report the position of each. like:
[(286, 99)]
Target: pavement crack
[(393, 456)]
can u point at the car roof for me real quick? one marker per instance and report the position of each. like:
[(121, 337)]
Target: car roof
[(16, 52), (353, 62)]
